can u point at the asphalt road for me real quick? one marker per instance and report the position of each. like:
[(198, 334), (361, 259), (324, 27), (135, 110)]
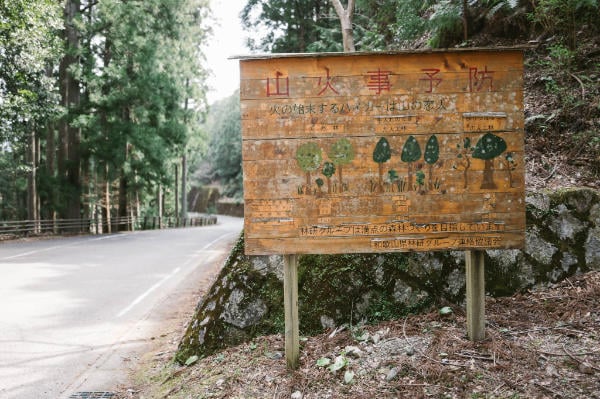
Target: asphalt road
[(74, 310)]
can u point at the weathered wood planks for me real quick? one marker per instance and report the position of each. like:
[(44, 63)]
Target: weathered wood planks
[(383, 152)]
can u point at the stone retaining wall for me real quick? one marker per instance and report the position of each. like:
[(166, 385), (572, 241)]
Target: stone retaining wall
[(562, 239)]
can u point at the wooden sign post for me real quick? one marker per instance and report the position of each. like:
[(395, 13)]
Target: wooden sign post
[(475, 267), (290, 304), (383, 152)]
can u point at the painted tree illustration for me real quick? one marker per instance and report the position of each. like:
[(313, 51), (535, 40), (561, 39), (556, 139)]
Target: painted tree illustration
[(411, 152), (432, 154), (381, 154), (420, 179), (328, 171), (464, 155), (512, 165), (341, 153), (309, 159), (487, 148), (320, 183)]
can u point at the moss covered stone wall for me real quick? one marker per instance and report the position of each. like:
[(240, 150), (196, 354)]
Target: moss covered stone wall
[(562, 239)]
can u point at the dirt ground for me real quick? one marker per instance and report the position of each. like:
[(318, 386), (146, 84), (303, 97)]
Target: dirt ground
[(540, 344)]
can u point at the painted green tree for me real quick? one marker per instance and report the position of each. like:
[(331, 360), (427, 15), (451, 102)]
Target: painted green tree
[(341, 153), (411, 152), (381, 154), (309, 159), (465, 151), (328, 172), (487, 148), (432, 155)]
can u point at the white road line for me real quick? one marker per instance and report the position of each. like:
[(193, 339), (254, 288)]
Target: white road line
[(164, 279), (147, 292), (71, 244)]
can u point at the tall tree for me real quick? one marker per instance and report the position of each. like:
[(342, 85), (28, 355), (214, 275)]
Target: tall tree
[(345, 15), (223, 156), (28, 49), (70, 135), (149, 97), (288, 25)]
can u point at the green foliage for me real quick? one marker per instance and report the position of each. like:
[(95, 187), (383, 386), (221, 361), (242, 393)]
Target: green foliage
[(489, 146), (382, 152), (28, 44), (432, 150), (411, 22), (446, 23), (224, 153), (564, 17), (328, 169), (309, 157), (411, 151), (420, 178), (291, 26)]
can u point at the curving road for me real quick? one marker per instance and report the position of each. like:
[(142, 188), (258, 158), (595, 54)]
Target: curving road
[(73, 310)]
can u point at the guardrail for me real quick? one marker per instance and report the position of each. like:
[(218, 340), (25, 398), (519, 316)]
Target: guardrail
[(18, 228)]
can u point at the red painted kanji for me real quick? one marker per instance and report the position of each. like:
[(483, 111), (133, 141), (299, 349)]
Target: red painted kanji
[(279, 91), (379, 80), (328, 84), (478, 78), (433, 81)]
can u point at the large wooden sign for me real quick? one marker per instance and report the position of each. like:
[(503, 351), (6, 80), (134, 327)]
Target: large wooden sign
[(355, 152)]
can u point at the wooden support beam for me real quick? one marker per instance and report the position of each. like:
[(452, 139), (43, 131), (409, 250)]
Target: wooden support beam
[(290, 303), (475, 268)]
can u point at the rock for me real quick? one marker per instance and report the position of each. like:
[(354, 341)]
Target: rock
[(243, 313), (353, 352), (540, 249), (564, 224), (297, 395), (586, 368), (376, 338), (392, 374), (592, 248)]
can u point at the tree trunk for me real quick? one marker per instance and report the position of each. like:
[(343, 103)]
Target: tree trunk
[(106, 213), (123, 194), (380, 186), (159, 203), (430, 177), (122, 213), (31, 183), (410, 177), (465, 172), (70, 137), (176, 190), (345, 16), (488, 176), (465, 18), (184, 185)]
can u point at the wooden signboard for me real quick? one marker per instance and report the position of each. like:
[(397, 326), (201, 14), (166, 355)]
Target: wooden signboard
[(383, 152)]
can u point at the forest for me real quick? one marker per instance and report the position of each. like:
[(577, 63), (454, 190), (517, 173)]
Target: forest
[(103, 109)]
